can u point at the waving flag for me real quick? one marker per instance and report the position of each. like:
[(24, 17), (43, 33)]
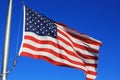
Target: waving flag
[(58, 44)]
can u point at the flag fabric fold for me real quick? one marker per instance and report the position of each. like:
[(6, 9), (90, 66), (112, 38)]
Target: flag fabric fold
[(58, 44)]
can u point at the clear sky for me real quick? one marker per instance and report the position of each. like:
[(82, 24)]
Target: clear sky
[(97, 18)]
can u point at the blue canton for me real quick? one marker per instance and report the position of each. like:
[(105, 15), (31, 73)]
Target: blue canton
[(39, 24)]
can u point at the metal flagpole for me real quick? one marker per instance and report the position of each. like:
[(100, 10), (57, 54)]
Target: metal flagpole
[(6, 42)]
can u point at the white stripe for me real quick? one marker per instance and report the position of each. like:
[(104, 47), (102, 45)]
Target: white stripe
[(79, 34), (85, 52), (77, 40), (49, 55), (69, 48), (51, 39), (90, 68), (89, 61), (66, 47), (90, 76), (59, 51)]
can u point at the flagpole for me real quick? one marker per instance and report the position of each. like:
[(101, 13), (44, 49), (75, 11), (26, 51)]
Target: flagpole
[(6, 42)]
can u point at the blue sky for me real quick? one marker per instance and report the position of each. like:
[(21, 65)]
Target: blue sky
[(97, 18)]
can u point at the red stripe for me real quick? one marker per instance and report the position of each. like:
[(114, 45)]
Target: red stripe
[(92, 73), (80, 38), (48, 59), (80, 54), (80, 46), (85, 39), (85, 48), (92, 65), (51, 43), (60, 47), (53, 52), (87, 56), (75, 44)]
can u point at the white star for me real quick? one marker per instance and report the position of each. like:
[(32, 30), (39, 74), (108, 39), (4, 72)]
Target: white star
[(29, 11), (32, 14), (42, 32), (37, 32), (48, 33), (38, 20), (35, 12), (38, 26), (41, 18), (35, 23), (44, 22), (33, 29), (54, 35), (27, 28), (30, 26), (30, 21), (27, 24), (27, 18), (27, 14), (35, 17), (41, 24), (30, 17), (40, 29), (47, 25), (52, 26), (38, 15), (52, 31)]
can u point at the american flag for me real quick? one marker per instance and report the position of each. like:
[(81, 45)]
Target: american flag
[(58, 44)]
